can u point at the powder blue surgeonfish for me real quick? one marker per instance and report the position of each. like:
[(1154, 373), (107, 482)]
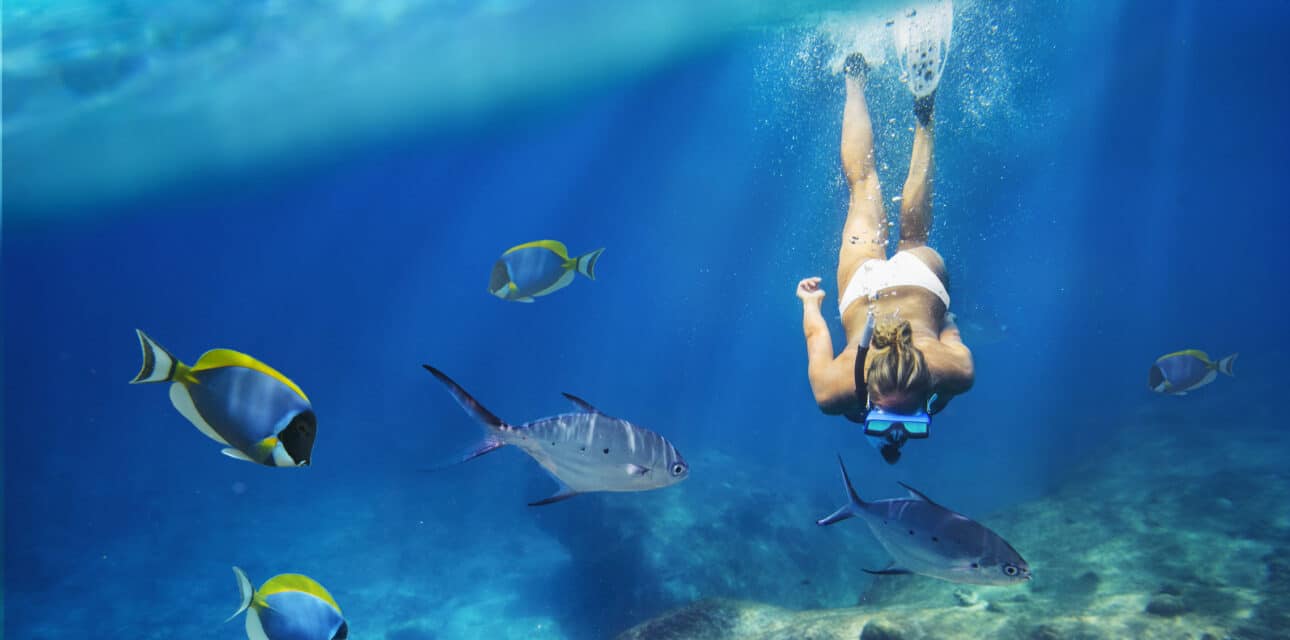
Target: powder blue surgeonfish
[(538, 268), (584, 451), (1182, 371), (254, 411), (925, 538), (289, 607)]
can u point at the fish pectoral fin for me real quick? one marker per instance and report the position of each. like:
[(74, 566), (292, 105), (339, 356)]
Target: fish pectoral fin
[(236, 454), (889, 571), (636, 470)]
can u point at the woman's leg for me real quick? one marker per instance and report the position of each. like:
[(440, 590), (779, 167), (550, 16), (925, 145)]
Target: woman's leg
[(916, 199), (864, 236)]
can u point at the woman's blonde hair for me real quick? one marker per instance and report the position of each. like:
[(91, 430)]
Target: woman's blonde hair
[(897, 365)]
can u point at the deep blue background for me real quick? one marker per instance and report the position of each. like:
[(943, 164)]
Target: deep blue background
[(1136, 209)]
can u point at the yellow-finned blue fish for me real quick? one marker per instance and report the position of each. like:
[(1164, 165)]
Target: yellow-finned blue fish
[(1182, 371), (289, 607), (537, 268), (237, 401)]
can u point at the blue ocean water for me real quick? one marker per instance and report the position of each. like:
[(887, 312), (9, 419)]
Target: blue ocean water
[(1107, 191)]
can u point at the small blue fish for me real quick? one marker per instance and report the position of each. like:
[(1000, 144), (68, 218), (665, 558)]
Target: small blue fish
[(537, 269), (925, 538), (1182, 371), (289, 607), (584, 451), (237, 401)]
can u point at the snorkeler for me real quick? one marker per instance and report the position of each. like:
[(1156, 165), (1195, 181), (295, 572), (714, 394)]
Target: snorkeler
[(904, 357)]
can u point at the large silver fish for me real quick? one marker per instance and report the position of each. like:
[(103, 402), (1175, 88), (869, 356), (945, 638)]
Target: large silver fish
[(925, 538), (584, 452)]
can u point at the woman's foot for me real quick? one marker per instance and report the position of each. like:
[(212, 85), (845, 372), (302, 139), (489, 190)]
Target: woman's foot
[(855, 66)]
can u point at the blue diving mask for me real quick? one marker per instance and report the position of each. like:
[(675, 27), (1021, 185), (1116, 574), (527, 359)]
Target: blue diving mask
[(887, 430)]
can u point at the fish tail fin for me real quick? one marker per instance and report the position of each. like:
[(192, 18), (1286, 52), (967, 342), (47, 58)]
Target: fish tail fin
[(158, 364), (248, 592), (1225, 365), (493, 424), (849, 510), (586, 263)]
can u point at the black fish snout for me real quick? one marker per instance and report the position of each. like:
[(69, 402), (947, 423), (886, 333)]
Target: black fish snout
[(298, 437)]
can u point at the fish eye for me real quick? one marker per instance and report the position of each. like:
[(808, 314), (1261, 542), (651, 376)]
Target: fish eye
[(678, 468), (1009, 570)]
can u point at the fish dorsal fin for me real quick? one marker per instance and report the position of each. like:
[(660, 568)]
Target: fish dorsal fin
[(220, 358), (296, 582), (1195, 353), (918, 494), (582, 404), (554, 246)]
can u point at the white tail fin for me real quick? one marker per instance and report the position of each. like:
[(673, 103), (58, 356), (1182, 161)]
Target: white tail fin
[(158, 364), (587, 263), (248, 592), (1225, 365)]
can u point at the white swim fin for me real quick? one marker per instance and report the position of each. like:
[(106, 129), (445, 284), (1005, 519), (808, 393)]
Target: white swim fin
[(921, 34)]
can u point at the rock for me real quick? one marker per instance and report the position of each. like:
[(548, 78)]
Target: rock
[(1170, 589), (1166, 606), (994, 607), (1087, 582), (1045, 632), (703, 620), (878, 630), (964, 597)]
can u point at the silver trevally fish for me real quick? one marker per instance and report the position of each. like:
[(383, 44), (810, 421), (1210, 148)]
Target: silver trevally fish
[(1182, 371), (538, 268), (925, 538), (584, 452)]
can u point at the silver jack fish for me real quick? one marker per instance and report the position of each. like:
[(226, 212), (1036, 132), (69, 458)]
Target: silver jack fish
[(237, 401), (925, 538), (289, 607), (584, 452)]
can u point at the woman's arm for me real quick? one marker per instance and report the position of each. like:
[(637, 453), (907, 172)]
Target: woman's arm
[(820, 366)]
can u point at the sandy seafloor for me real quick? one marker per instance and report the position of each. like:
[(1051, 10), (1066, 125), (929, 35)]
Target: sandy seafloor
[(1170, 531)]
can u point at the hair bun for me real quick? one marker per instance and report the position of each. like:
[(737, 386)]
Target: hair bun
[(893, 333)]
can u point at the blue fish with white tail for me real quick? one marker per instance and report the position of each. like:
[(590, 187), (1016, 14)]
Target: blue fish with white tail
[(927, 539), (1181, 371), (258, 414), (289, 607), (538, 268), (584, 451)]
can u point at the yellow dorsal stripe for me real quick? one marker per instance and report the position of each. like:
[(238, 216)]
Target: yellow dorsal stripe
[(554, 246), (219, 358), (1195, 353), (295, 582)]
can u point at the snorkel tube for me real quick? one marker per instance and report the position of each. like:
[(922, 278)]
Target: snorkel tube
[(862, 350)]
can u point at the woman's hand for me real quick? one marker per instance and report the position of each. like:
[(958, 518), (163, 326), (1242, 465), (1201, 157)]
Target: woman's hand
[(809, 289)]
